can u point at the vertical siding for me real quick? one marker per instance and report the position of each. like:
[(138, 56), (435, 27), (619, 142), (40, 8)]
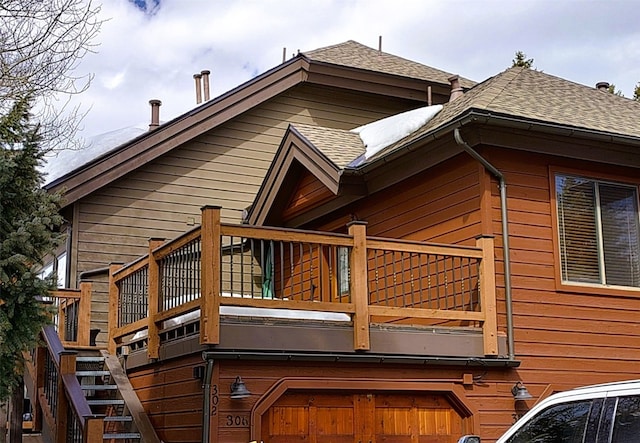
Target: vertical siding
[(222, 167)]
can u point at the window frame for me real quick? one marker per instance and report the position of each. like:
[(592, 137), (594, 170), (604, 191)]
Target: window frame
[(584, 287)]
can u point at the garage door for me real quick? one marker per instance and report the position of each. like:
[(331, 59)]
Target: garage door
[(361, 417)]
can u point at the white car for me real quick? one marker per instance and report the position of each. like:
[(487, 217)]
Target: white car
[(607, 413)]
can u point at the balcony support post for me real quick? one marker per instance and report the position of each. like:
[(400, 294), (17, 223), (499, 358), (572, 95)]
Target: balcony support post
[(488, 295), (67, 366), (153, 346), (114, 303), (359, 287), (84, 314), (210, 272)]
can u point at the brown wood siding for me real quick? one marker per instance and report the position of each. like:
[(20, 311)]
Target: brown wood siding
[(440, 206), (564, 336), (172, 398), (223, 167), (309, 192)]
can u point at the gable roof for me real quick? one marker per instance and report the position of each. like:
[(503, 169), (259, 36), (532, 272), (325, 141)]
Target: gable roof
[(343, 65), (356, 55), (534, 96), (516, 98)]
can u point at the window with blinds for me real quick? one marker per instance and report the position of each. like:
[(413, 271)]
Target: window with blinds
[(599, 231)]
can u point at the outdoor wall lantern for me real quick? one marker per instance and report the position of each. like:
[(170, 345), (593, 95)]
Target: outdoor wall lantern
[(239, 390), (520, 392)]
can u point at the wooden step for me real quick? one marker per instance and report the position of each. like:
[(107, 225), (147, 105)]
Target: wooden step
[(90, 359), (118, 418), (104, 402), (121, 436), (91, 373), (99, 387)]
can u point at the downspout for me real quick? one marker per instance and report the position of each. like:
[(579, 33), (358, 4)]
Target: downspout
[(206, 400), (505, 236)]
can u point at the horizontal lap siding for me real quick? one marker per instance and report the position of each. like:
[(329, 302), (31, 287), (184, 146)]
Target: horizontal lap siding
[(441, 205), (172, 398), (563, 338), (223, 167)]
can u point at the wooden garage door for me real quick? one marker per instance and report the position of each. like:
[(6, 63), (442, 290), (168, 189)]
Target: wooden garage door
[(358, 417)]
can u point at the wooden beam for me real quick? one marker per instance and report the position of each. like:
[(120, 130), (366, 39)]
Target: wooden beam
[(488, 295), (210, 272), (114, 295), (359, 287), (153, 346), (84, 314)]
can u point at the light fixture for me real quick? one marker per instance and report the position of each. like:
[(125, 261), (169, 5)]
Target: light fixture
[(198, 372), (520, 392), (239, 390)]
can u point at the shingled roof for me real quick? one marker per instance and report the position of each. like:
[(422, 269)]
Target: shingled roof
[(535, 96), (356, 55), (339, 146)]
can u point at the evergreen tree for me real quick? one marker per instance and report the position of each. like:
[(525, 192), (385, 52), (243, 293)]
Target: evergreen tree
[(521, 60), (636, 92), (612, 90), (29, 222)]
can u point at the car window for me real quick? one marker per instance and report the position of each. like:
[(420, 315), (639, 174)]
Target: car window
[(626, 426), (562, 423)]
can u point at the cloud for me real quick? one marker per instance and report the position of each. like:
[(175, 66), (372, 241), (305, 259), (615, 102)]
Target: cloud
[(151, 49)]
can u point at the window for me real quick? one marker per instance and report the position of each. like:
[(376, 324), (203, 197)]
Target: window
[(562, 423), (626, 426), (599, 231)]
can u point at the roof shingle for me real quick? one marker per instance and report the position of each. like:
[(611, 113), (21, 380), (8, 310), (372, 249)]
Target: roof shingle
[(357, 55)]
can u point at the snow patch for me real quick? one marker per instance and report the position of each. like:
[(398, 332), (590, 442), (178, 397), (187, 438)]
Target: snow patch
[(384, 132), (61, 163)]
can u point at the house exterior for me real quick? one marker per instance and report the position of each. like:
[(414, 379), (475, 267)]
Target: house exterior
[(550, 166), (392, 294), (218, 153)]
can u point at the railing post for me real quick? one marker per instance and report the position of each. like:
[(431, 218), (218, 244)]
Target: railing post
[(67, 366), (114, 303), (93, 429), (359, 286), (153, 346), (210, 274), (40, 357), (62, 314), (84, 314), (488, 295)]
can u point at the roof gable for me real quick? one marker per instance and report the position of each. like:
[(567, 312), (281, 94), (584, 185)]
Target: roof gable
[(325, 66), (357, 55)]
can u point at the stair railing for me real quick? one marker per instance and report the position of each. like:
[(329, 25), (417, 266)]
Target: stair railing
[(65, 411)]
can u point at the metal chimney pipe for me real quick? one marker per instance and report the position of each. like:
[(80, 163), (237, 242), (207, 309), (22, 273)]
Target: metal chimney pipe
[(602, 86), (205, 83), (155, 114), (456, 89), (197, 78)]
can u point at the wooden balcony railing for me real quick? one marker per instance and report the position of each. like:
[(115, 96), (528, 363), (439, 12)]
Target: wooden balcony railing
[(370, 280), (73, 317), (65, 412)]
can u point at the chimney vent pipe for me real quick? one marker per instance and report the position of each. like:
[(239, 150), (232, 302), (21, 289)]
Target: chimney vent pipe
[(602, 86), (155, 114), (205, 83), (456, 89), (198, 80)]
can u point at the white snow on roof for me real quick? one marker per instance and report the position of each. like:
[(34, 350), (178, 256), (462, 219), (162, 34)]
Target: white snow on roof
[(384, 132), (61, 163)]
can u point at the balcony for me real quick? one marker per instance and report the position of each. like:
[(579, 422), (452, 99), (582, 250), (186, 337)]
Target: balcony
[(240, 277)]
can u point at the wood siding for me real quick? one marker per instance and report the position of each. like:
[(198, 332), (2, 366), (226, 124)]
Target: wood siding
[(388, 401), (223, 167), (564, 336)]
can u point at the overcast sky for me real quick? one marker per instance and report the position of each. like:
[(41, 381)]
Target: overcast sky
[(151, 48)]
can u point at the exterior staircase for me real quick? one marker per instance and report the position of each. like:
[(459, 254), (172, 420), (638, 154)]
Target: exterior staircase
[(109, 394)]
